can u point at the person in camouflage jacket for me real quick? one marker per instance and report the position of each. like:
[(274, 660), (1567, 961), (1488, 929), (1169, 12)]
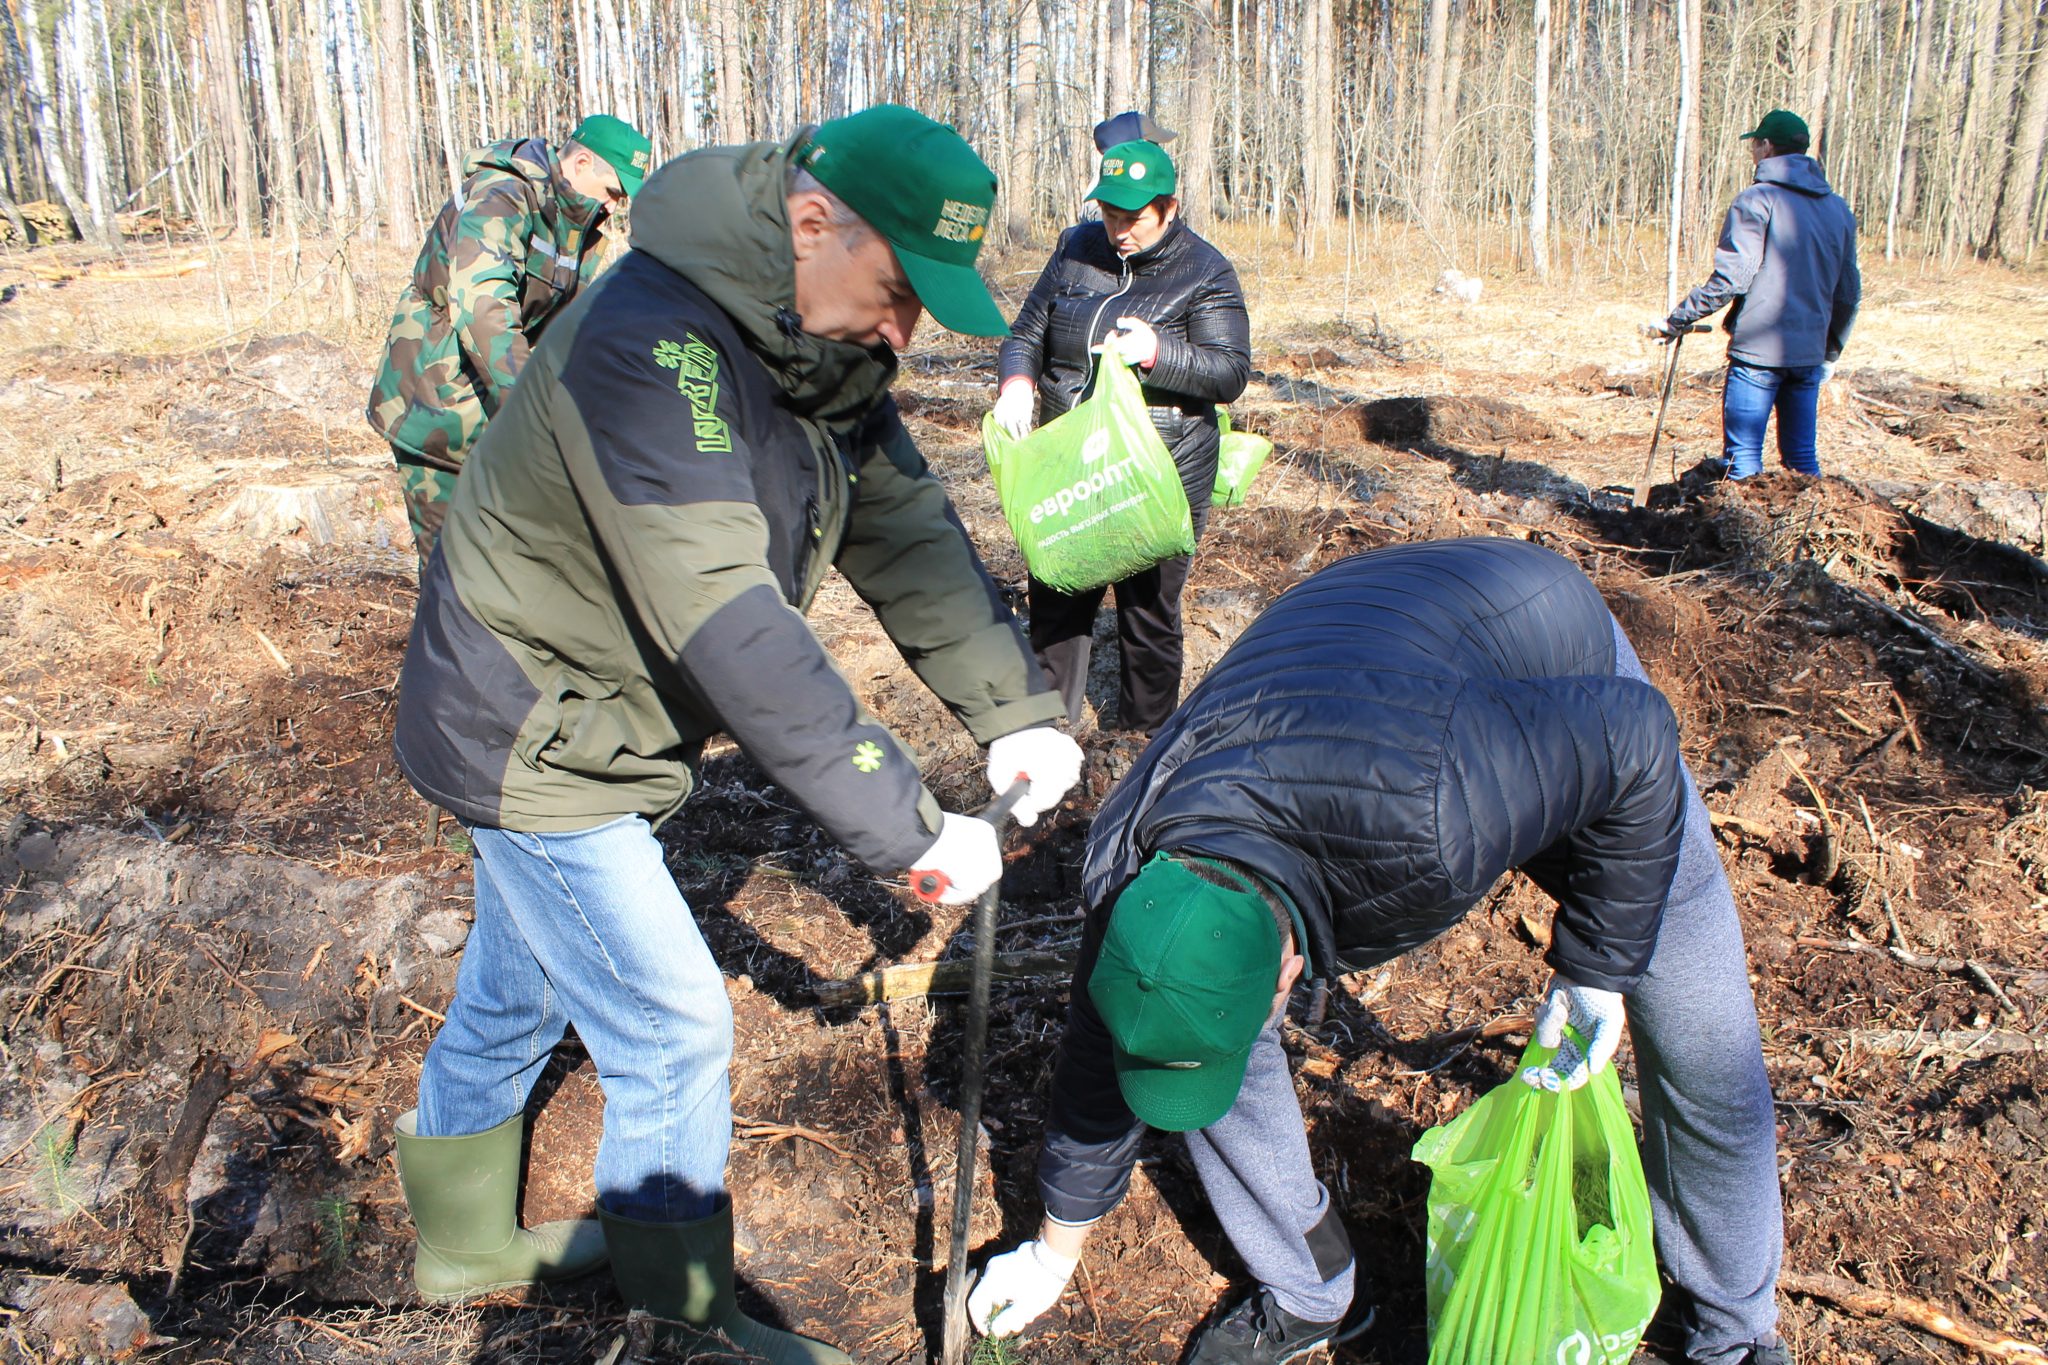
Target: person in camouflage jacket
[(521, 234), (623, 574)]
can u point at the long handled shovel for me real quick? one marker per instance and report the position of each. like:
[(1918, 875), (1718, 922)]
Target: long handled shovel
[(1642, 498), (929, 886)]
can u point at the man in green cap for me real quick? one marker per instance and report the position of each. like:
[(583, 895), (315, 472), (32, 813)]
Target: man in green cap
[(623, 574), (521, 234), (1785, 268), (1386, 741)]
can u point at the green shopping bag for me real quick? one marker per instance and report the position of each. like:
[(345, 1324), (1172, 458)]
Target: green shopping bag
[(1539, 1248), (1092, 496), (1239, 457)]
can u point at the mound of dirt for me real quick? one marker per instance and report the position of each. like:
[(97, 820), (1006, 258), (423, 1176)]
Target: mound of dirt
[(1450, 420)]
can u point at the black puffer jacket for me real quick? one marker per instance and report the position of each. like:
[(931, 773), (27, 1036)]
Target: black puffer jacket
[(1190, 295), (1384, 742)]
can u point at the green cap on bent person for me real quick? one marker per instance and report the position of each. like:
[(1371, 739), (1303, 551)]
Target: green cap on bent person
[(920, 185), (1185, 982), (619, 145), (1783, 129), (1133, 175)]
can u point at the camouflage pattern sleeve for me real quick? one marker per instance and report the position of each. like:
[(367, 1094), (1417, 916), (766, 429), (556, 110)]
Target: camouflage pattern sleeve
[(485, 269)]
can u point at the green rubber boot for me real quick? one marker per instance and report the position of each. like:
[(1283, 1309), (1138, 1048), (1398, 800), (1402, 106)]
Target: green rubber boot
[(683, 1272), (464, 1193)]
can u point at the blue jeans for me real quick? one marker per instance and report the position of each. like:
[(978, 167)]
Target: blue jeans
[(1752, 391), (589, 928)]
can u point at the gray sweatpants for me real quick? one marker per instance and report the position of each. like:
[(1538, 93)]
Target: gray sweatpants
[(1709, 1130)]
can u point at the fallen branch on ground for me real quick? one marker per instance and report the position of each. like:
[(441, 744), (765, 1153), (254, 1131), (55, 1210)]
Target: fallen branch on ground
[(910, 979), (1924, 633), (2025, 979), (1883, 1303), (165, 1223), (754, 1130), (1956, 1042)]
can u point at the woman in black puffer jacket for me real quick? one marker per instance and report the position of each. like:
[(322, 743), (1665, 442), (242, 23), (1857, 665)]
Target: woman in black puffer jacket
[(1142, 282)]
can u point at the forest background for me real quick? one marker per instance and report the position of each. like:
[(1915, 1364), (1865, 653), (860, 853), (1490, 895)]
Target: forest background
[(1537, 135)]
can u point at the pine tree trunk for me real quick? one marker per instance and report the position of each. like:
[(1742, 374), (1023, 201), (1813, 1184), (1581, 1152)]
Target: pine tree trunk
[(732, 82), (1021, 190), (75, 39), (394, 38), (1198, 162), (1319, 126), (2012, 221), (1116, 54), (331, 154)]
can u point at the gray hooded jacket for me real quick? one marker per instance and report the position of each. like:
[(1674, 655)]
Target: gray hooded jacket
[(1787, 261)]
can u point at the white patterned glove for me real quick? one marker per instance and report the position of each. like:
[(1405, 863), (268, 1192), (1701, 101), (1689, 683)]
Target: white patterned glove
[(1042, 754), (1014, 407), (1017, 1286), (967, 859), (1595, 1015), (1135, 341)]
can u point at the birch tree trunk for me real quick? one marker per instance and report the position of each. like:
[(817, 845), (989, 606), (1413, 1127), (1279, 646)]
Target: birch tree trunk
[(1319, 126), (437, 66), (1688, 95), (75, 41), (1911, 55), (331, 154), (1539, 197), (283, 173), (54, 168), (1429, 149)]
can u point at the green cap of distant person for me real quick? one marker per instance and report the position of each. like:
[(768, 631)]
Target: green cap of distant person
[(917, 183), (1185, 981), (1133, 175), (1783, 129), (620, 146)]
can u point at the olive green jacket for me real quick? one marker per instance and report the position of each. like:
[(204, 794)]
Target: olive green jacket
[(634, 539)]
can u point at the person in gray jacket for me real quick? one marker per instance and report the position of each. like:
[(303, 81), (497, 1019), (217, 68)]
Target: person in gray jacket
[(1785, 269)]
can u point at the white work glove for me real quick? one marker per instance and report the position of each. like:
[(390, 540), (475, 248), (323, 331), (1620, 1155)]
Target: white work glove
[(1135, 342), (1660, 332), (967, 857), (1014, 407), (1596, 1016), (1017, 1286), (1048, 758), (1827, 371)]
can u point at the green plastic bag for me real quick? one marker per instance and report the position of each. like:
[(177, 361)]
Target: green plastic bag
[(1239, 457), (1539, 1248), (1093, 495)]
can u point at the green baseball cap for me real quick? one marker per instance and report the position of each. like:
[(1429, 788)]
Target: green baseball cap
[(619, 145), (1133, 175), (921, 186), (1185, 982), (1781, 128)]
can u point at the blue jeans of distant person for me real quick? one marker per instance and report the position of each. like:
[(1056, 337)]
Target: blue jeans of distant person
[(1752, 392), (589, 928)]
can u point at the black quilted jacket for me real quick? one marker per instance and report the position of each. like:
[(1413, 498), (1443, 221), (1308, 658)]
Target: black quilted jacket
[(1190, 295), (1385, 741)]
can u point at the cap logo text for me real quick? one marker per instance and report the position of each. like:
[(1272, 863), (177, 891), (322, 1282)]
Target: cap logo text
[(961, 222)]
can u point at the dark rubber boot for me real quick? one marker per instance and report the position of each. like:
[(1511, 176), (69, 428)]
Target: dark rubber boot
[(682, 1272), (464, 1193)]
